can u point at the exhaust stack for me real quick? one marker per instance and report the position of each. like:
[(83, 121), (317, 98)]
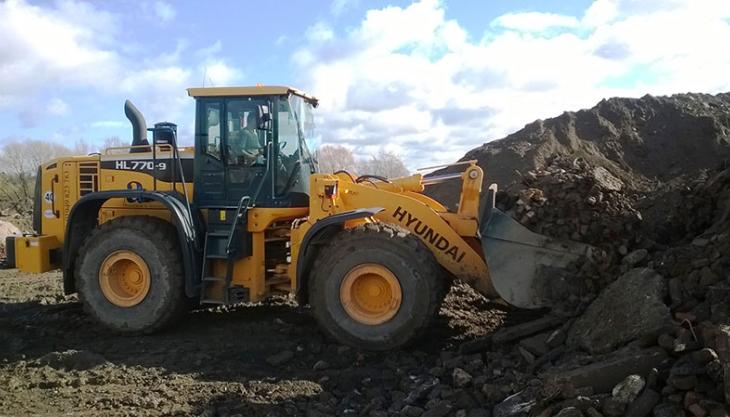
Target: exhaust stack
[(139, 126)]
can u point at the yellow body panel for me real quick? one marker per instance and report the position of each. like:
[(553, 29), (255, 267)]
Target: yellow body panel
[(445, 234), (450, 236), (33, 253)]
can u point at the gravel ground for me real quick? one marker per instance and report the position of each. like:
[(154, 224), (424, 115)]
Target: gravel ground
[(265, 359)]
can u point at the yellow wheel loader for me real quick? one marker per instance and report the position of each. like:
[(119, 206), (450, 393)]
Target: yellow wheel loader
[(144, 231)]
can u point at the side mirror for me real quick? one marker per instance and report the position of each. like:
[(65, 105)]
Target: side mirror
[(263, 117)]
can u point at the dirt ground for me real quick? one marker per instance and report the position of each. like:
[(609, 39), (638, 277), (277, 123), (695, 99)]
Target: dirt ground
[(56, 361)]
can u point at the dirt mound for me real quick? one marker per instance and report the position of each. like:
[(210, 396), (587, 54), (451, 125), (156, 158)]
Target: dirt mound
[(7, 229), (647, 143)]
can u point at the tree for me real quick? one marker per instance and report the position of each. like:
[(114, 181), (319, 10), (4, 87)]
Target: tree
[(112, 142), (385, 164), (19, 161), (333, 158)]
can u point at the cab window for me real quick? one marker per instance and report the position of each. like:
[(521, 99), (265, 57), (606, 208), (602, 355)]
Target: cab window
[(211, 129)]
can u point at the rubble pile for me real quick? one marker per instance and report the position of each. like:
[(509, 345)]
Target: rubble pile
[(655, 341), (571, 199)]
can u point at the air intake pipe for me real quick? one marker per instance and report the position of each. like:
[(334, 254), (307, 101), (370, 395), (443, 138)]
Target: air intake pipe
[(139, 126)]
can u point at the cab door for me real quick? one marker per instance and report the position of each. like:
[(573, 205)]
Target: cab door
[(209, 156), (245, 150)]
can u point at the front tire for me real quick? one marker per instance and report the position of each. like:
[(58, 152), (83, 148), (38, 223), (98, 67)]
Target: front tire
[(129, 277), (375, 287)]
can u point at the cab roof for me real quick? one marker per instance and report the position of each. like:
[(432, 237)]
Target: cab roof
[(258, 90)]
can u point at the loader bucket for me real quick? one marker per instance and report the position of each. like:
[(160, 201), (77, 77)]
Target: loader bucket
[(523, 265)]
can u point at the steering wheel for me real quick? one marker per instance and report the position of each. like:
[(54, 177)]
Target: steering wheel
[(282, 145)]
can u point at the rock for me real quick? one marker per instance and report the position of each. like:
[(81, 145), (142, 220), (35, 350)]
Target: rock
[(630, 307), (701, 242), (529, 328), (668, 410), (704, 356), (320, 365), (421, 391), (606, 180), (722, 341), (627, 390), (517, 405), (478, 412), (72, 359), (635, 257), (411, 410), (280, 358), (697, 410), (537, 344), (666, 341), (508, 334), (526, 355), (612, 407), (604, 375), (569, 412), (440, 410), (644, 403), (461, 378), (592, 412), (556, 338), (683, 383), (708, 277)]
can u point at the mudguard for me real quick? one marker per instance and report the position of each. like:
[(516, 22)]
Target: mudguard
[(317, 231), (84, 215)]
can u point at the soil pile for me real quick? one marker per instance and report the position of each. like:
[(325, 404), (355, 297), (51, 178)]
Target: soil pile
[(650, 143), (645, 182)]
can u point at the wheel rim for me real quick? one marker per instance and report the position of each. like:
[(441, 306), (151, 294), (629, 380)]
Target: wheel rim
[(370, 294), (124, 278)]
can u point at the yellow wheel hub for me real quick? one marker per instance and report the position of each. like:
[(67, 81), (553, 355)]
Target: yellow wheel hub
[(370, 294), (124, 278)]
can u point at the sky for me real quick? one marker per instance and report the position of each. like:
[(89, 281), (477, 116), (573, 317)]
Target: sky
[(428, 80)]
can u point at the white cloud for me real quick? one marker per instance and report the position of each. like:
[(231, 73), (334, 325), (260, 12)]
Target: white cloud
[(413, 81), (41, 48), (57, 107), (340, 6), (74, 45), (215, 70), (164, 11), (108, 124), (534, 21), (219, 74)]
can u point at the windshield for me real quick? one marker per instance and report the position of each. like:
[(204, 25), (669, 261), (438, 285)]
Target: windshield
[(296, 128)]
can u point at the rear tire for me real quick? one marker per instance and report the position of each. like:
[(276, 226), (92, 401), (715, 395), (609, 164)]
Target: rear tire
[(410, 286), (128, 275)]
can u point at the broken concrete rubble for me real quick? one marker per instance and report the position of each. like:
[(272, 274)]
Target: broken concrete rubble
[(629, 308), (603, 375)]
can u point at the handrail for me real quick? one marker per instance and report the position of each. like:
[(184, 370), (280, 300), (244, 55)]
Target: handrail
[(161, 148), (469, 162), (244, 200)]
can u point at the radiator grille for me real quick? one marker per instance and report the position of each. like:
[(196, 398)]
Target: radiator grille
[(88, 178)]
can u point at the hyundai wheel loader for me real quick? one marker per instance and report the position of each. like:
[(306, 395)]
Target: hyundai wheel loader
[(143, 232)]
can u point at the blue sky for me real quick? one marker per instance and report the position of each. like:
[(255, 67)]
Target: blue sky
[(428, 79)]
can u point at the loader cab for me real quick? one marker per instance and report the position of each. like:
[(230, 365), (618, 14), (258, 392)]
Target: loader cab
[(252, 141)]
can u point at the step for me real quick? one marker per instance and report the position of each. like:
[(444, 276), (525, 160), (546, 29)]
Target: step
[(278, 280), (211, 301), (215, 256), (217, 234)]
